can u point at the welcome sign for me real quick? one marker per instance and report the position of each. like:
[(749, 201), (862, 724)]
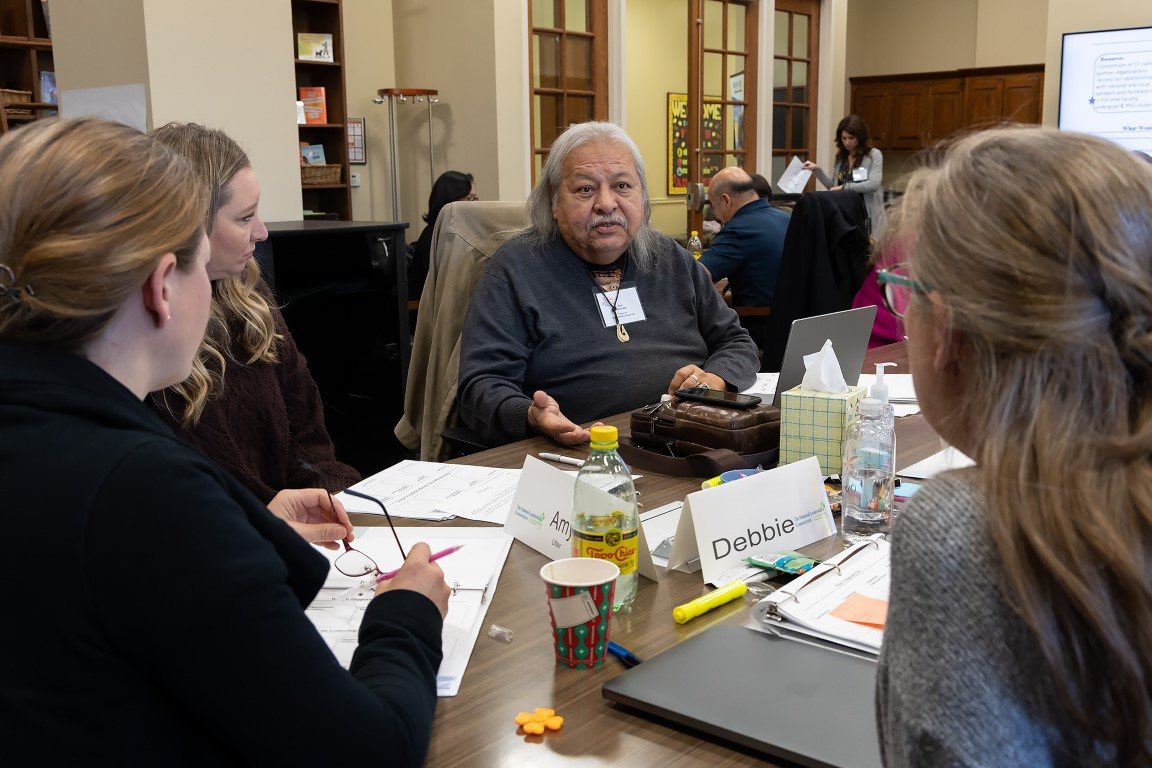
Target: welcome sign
[(781, 509)]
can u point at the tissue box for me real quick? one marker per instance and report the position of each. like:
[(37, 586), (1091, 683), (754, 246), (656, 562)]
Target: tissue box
[(815, 424)]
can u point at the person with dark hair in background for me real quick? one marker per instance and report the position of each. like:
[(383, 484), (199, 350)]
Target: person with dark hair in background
[(451, 187), (859, 168), (762, 186)]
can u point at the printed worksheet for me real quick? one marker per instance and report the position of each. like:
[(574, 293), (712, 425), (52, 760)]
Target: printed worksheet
[(429, 490), (473, 572)]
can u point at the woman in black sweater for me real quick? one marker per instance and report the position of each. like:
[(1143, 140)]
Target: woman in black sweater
[(161, 607)]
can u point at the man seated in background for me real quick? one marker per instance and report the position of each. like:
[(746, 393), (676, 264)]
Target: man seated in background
[(589, 311), (747, 250)]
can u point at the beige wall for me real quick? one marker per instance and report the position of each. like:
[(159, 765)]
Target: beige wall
[(368, 66), (892, 36), (1068, 16), (451, 46), (655, 64), (1010, 33), (236, 76), (81, 60)]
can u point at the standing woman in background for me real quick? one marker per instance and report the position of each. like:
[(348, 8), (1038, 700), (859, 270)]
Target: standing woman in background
[(859, 168), (250, 404), (164, 606), (1019, 626), (451, 187)]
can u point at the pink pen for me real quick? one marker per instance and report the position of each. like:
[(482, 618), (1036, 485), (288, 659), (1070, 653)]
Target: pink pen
[(435, 556)]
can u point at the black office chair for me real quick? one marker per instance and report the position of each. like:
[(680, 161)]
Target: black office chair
[(824, 262)]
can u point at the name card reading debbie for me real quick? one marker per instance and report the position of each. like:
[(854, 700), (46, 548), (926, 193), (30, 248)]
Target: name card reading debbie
[(781, 509), (541, 514)]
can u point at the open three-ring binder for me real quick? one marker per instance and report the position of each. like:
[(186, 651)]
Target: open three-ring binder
[(840, 602)]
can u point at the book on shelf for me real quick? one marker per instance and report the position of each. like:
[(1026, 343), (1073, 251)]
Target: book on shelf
[(48, 91), (313, 154), (315, 104), (311, 46)]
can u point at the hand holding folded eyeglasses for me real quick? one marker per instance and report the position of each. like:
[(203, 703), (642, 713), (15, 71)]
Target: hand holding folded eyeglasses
[(420, 575), (314, 514)]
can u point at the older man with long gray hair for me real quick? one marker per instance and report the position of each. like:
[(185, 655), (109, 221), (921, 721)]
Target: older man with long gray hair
[(589, 308)]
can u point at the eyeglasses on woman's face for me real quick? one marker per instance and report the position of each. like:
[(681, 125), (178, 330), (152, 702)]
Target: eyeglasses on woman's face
[(898, 289)]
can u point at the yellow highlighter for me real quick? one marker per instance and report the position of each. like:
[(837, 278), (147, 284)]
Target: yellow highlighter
[(714, 599)]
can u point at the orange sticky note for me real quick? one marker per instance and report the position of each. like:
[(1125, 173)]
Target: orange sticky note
[(861, 609)]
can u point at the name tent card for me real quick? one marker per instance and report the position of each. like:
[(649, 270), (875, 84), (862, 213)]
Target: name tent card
[(541, 514), (781, 509)]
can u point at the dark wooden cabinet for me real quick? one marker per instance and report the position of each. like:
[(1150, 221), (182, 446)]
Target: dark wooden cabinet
[(875, 101), (342, 287), (914, 111)]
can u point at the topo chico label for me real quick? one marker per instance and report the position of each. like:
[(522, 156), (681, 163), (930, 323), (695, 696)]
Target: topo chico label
[(614, 545)]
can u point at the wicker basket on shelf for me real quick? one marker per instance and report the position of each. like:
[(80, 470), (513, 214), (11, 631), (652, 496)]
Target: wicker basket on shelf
[(320, 174), (9, 97)]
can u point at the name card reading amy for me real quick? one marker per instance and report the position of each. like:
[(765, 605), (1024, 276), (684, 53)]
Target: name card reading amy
[(781, 509), (541, 514)]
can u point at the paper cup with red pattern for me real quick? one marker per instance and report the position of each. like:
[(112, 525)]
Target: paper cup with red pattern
[(580, 593)]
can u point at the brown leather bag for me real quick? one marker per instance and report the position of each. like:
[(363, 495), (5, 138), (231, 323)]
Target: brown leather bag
[(694, 439)]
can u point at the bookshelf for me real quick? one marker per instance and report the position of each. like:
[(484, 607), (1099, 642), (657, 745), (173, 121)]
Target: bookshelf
[(327, 198), (25, 52)]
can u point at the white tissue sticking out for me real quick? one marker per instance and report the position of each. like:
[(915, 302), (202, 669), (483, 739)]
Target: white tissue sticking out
[(822, 371)]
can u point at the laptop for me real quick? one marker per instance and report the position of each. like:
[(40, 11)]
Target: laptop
[(787, 699), (849, 331)]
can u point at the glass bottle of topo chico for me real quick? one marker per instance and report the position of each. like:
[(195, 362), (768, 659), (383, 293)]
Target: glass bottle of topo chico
[(605, 523)]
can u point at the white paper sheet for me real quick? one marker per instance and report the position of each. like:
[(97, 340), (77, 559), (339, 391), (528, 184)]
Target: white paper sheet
[(794, 178), (949, 458), (765, 386), (900, 386), (431, 491), (474, 571)]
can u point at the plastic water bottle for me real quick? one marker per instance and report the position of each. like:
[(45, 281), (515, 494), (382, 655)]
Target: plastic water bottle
[(869, 473), (694, 245), (605, 523)]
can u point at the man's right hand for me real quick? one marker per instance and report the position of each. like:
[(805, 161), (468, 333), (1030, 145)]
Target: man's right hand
[(544, 416)]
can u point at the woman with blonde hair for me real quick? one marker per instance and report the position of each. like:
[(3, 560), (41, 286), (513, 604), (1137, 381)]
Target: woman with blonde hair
[(250, 403), (162, 614), (1020, 624)]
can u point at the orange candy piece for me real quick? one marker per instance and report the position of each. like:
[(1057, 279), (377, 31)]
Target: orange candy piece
[(539, 721)]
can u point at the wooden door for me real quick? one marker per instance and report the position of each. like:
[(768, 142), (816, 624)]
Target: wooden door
[(910, 120), (945, 108), (983, 100), (873, 103), (1023, 98)]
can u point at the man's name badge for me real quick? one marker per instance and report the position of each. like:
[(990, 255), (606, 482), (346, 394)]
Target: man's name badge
[(622, 309)]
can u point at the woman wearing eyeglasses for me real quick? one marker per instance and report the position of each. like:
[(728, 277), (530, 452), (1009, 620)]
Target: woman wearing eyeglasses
[(1020, 620), (250, 403), (157, 617)]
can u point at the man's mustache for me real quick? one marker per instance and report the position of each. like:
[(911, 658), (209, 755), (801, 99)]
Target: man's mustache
[(612, 218)]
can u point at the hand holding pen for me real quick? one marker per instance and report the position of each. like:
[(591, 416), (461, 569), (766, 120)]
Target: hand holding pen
[(420, 574)]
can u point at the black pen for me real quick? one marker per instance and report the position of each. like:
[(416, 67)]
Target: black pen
[(627, 658)]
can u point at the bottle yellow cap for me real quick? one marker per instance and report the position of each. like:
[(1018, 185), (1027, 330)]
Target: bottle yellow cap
[(605, 434), (695, 233)]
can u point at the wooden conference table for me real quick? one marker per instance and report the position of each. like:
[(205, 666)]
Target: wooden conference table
[(477, 728)]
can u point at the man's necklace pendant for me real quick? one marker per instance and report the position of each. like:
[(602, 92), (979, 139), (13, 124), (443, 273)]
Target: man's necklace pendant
[(622, 333)]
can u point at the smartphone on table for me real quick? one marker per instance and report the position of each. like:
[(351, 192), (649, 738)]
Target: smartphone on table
[(718, 397)]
